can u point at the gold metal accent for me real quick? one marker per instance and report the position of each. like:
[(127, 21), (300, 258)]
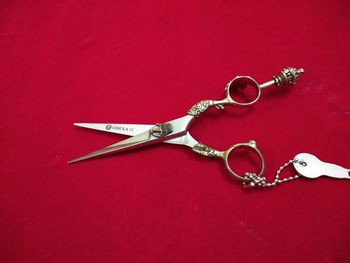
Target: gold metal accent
[(205, 150), (199, 107), (287, 76)]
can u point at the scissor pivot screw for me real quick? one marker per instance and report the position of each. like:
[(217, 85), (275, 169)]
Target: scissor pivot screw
[(161, 129)]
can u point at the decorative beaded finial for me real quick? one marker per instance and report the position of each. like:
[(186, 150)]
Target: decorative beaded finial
[(288, 76)]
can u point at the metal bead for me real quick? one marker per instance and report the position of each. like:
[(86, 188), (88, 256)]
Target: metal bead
[(262, 182)]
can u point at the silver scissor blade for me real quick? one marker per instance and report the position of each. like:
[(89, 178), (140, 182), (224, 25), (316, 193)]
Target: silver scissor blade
[(185, 140), (125, 144), (124, 129), (134, 129), (179, 128)]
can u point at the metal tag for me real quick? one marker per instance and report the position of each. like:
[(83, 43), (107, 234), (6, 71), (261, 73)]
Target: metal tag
[(310, 166)]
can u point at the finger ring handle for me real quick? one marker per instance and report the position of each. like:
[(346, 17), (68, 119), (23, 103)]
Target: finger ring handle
[(251, 146)]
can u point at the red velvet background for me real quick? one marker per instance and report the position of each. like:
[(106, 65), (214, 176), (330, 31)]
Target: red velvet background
[(149, 61)]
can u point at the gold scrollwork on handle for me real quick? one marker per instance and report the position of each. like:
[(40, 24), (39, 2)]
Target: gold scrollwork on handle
[(205, 150), (199, 107)]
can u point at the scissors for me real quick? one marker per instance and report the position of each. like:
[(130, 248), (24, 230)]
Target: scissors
[(176, 131)]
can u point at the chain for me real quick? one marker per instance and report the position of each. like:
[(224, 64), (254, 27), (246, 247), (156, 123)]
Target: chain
[(261, 181)]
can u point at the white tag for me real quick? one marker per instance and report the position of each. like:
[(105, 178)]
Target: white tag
[(310, 166)]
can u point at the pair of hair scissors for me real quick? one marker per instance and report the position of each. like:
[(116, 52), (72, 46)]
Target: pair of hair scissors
[(176, 131)]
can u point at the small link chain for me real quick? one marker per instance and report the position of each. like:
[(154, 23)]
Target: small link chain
[(261, 181)]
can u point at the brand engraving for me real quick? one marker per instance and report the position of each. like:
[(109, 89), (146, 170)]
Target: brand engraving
[(118, 128)]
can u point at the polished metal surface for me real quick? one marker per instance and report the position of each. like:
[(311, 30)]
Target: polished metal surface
[(135, 129), (251, 146), (176, 131), (146, 138), (124, 129), (306, 165), (310, 166), (287, 76), (130, 143), (260, 181)]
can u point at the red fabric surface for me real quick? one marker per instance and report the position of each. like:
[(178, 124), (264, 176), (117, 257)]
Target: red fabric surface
[(150, 61)]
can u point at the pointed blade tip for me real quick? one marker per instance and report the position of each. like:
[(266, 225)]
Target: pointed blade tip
[(77, 160), (78, 123)]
